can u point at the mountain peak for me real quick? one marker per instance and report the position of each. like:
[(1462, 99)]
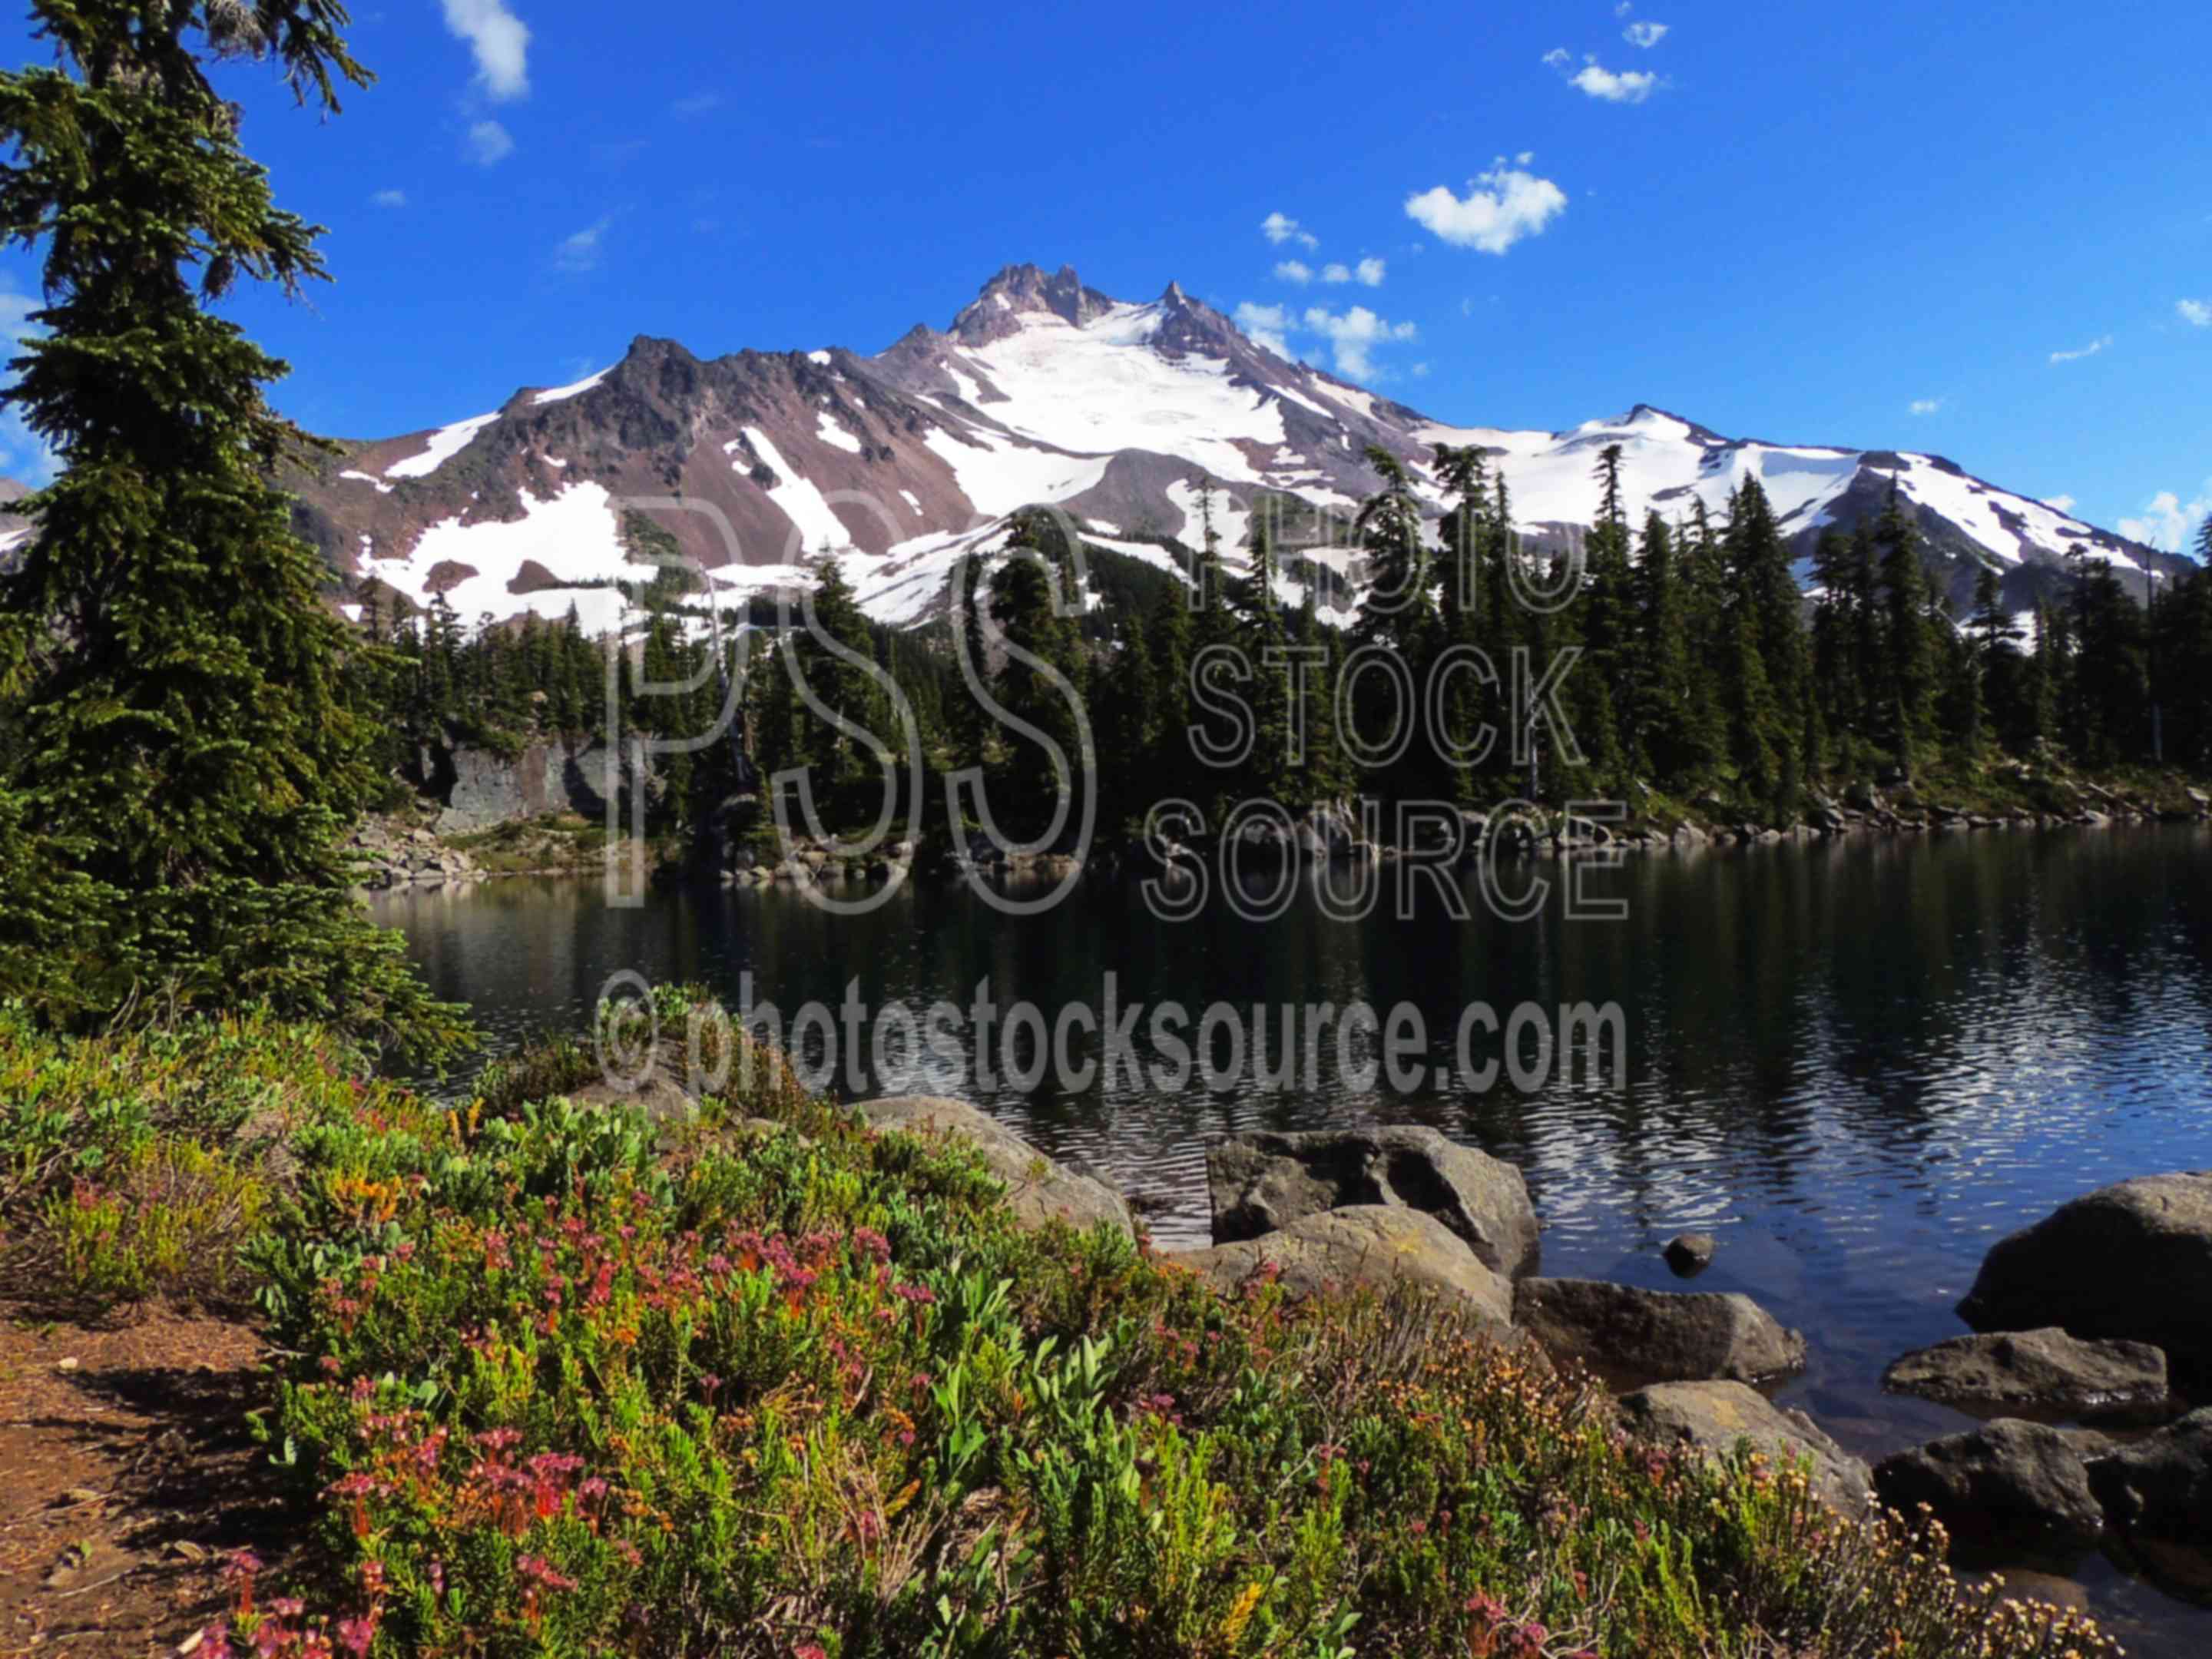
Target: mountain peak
[(1025, 289)]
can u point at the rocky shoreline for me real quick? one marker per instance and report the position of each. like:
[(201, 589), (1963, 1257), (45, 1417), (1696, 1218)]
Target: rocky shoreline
[(2088, 1446), (1333, 834)]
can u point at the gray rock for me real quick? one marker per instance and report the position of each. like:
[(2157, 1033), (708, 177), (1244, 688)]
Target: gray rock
[(1690, 1254), (482, 789), (2157, 1496), (1656, 1336), (663, 1099), (2017, 1491), (1038, 1190), (1714, 1418), (2046, 1370), (1261, 1182), (2132, 1261), (1366, 1245)]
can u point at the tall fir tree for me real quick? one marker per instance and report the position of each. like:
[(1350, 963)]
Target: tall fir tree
[(171, 681), (1909, 648)]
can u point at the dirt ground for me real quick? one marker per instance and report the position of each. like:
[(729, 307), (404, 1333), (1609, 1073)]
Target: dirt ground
[(127, 1472)]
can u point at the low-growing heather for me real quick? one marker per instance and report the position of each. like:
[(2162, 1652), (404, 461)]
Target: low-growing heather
[(563, 1379), (138, 1165)]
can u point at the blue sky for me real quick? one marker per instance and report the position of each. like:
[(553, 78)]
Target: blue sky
[(1871, 225)]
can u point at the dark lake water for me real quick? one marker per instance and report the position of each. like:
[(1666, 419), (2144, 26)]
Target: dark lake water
[(1857, 1063)]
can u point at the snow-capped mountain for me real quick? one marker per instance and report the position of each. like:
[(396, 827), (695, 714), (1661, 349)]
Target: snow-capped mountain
[(1041, 390)]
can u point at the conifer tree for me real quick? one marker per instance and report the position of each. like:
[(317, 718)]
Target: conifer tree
[(1264, 642), (1910, 656), (1399, 603), (1996, 658), (1399, 612), (1666, 715), (1769, 666), (170, 695), (1023, 610)]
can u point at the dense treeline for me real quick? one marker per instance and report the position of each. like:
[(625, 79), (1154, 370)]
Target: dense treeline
[(1665, 661)]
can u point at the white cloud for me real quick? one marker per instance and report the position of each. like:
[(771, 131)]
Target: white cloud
[(1558, 58), (1294, 271), (1644, 34), (389, 198), (2168, 522), (1623, 8), (1368, 273), (1268, 325), (489, 143), (581, 251), (1630, 87), (1420, 371), (1354, 335), (1278, 228), (2060, 503), (2089, 350), (1926, 405), (498, 39), (1501, 206), (2197, 314)]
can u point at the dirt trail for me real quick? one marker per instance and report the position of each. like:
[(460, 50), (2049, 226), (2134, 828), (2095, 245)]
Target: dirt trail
[(127, 1474)]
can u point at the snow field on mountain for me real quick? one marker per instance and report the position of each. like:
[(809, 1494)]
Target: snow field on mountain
[(573, 535), (815, 525), (445, 443), (1098, 389), (998, 476)]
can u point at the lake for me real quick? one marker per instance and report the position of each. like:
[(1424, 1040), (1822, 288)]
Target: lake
[(1856, 1062)]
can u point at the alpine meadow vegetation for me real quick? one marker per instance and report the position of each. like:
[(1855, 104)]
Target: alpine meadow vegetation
[(551, 1378)]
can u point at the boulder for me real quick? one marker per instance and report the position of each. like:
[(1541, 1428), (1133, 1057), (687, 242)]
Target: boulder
[(1261, 1183), (2131, 1261), (1690, 1254), (663, 1099), (1366, 1245), (1038, 1190), (2012, 1490), (1656, 1336), (1715, 1417), (2157, 1495), (2046, 1370)]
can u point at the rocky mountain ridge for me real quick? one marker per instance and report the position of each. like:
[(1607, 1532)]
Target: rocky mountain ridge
[(1041, 390)]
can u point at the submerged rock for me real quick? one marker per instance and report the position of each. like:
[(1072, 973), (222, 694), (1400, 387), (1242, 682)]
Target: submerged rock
[(1714, 1417), (1690, 1254), (1366, 1245), (2014, 1490), (2132, 1261), (2046, 1370), (2157, 1495), (1261, 1182), (1038, 1189), (1657, 1336)]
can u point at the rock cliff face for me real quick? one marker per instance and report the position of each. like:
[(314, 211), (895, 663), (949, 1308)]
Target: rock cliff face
[(480, 788)]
